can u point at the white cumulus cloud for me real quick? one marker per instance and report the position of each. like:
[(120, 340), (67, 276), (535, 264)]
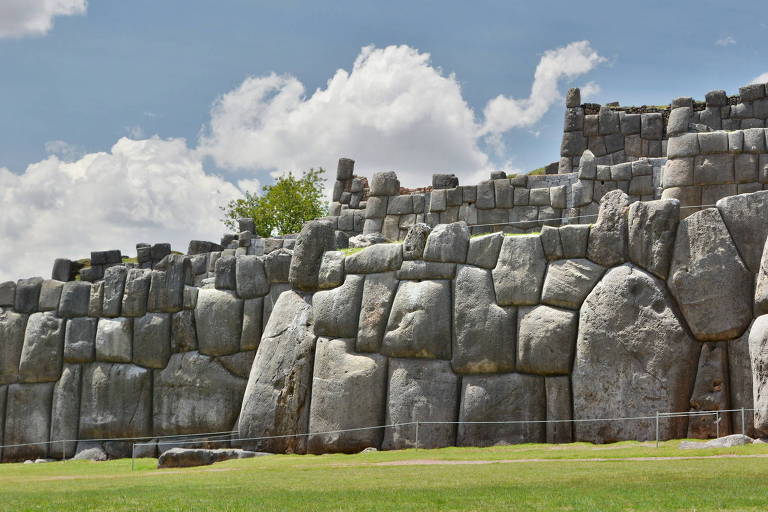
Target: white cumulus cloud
[(19, 18), (725, 41), (761, 79)]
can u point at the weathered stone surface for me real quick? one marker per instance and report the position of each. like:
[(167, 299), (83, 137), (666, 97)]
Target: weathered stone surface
[(12, 328), (568, 282), (419, 322), (152, 340), (277, 265), (421, 391), (28, 294), (136, 294), (384, 184), (740, 380), (27, 420), (41, 355), (415, 241), (758, 351), (271, 299), (219, 321), (633, 358), (252, 324), (608, 236), (484, 250), (448, 243), (574, 239), (652, 227), (183, 335), (114, 286), (519, 272), (113, 340), (739, 214), (50, 293), (378, 291), (336, 311), (331, 273), (420, 270), (511, 396), (238, 364), (374, 259), (348, 391), (721, 442), (116, 401), (191, 457), (65, 412), (558, 390), (708, 279), (484, 333), (90, 451), (550, 241), (546, 340), (95, 300), (315, 238), (7, 293), (710, 392), (251, 277), (276, 400), (195, 394), (226, 272), (79, 340)]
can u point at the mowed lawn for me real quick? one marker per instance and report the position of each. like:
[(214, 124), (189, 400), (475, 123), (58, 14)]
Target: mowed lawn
[(362, 482)]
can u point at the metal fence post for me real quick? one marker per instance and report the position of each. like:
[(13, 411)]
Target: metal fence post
[(717, 423), (743, 428), (657, 429), (133, 455), (417, 434)]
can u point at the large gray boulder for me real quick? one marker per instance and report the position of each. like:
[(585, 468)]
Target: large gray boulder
[(278, 265), (448, 243), (79, 340), (116, 401), (711, 392), (484, 250), (506, 397), (708, 279), (484, 333), (114, 287), (375, 259), (65, 412), (546, 340), (41, 355), (758, 352), (50, 293), (219, 321), (331, 273), (633, 358), (574, 238), (195, 394), (348, 392), (421, 391), (740, 380), (252, 323), (152, 340), (519, 272), (251, 277), (761, 285), (183, 334), (378, 292), (419, 270), (28, 294), (568, 282), (419, 323), (315, 238), (415, 241), (12, 328), (559, 409), (608, 236), (652, 229), (192, 457), (276, 400), (7, 293), (113, 340), (740, 214), (75, 299), (136, 294), (336, 311), (27, 421)]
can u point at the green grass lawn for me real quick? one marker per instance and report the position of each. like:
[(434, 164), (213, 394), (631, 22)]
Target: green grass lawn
[(359, 482)]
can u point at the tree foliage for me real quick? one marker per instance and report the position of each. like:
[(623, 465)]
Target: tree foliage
[(283, 207)]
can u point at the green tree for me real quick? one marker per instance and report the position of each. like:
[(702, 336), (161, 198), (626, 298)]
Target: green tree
[(283, 207)]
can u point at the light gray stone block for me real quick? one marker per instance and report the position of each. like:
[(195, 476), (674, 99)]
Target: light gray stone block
[(42, 352), (336, 311), (568, 282), (219, 321), (79, 340), (546, 340), (519, 273)]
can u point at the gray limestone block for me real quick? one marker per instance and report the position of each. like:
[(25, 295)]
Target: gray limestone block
[(64, 269), (420, 270), (331, 273), (65, 412), (136, 293), (424, 391), (608, 236), (546, 340), (761, 285), (152, 340), (739, 213), (391, 227), (590, 125), (559, 409), (710, 194), (716, 98), (484, 333), (190, 297), (521, 196), (621, 172), (271, 299), (378, 291), (685, 145), (519, 272), (336, 311), (568, 282), (27, 421), (713, 142), (558, 196), (752, 92), (50, 293), (501, 398), (633, 358), (376, 207), (252, 324), (251, 277), (758, 350), (760, 108), (518, 181), (448, 243), (582, 192), (496, 217), (79, 340), (195, 393), (651, 126), (7, 293), (539, 197), (113, 341), (573, 144), (273, 244), (748, 188), (400, 205), (371, 226), (277, 265), (239, 365), (504, 193), (415, 241), (711, 392), (486, 195), (596, 146), (574, 120), (454, 196), (741, 111), (116, 401), (573, 98), (12, 328), (160, 251), (214, 256), (745, 168), (484, 250), (550, 241), (96, 298), (419, 203), (574, 239), (277, 397), (679, 119), (384, 184), (345, 169), (630, 123), (735, 142), (651, 234), (468, 193), (442, 181), (608, 121), (114, 286), (183, 335), (613, 143), (41, 354), (339, 375), (219, 322), (438, 201), (28, 294), (685, 101), (419, 321), (381, 257), (762, 169), (642, 167), (75, 299), (754, 140), (345, 198), (677, 172), (641, 186), (603, 172), (740, 380), (226, 276), (92, 273), (708, 279)]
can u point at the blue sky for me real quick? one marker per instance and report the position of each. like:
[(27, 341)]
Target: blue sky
[(118, 74)]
